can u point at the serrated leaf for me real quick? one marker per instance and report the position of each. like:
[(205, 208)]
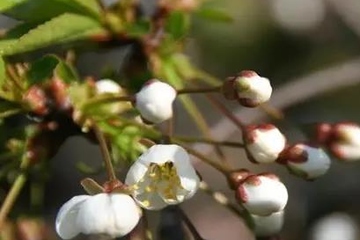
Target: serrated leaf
[(138, 29), (66, 27), (13, 34), (41, 10), (178, 24), (214, 14)]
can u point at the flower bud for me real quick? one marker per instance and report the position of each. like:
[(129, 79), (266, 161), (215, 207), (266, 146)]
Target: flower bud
[(108, 86), (263, 143), (37, 100), (104, 86), (345, 141), (154, 101), (265, 226), (262, 194), (236, 177), (306, 161), (248, 88), (112, 214)]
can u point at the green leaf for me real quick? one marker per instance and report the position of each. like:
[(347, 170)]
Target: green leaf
[(178, 24), (66, 72), (138, 29), (41, 70), (46, 67), (42, 10), (2, 72), (214, 14), (64, 28)]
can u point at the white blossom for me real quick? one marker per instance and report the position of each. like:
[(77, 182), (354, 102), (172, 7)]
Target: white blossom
[(265, 226), (111, 214), (154, 101), (262, 194), (162, 176), (252, 90), (263, 142), (307, 161)]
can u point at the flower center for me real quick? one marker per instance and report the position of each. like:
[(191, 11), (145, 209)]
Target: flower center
[(161, 179)]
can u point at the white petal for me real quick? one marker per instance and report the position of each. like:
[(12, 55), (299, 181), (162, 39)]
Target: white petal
[(268, 225), (150, 201), (66, 225), (256, 88), (108, 214)]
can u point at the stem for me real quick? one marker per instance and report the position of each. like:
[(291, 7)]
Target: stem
[(108, 99), (105, 152), (199, 90), (11, 112), (14, 191), (190, 225), (208, 141), (222, 199), (221, 108), (218, 166), (273, 112)]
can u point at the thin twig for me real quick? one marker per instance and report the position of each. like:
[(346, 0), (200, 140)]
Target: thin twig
[(190, 225), (223, 200), (209, 141), (14, 191), (219, 106), (217, 165), (105, 152), (198, 90)]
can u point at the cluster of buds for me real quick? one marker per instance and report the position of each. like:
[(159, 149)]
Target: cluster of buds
[(342, 139), (248, 88), (264, 197), (161, 176)]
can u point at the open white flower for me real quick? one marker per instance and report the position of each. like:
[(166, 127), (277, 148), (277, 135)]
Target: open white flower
[(306, 161), (262, 194), (161, 176), (154, 101), (252, 90), (265, 226), (263, 142), (112, 214)]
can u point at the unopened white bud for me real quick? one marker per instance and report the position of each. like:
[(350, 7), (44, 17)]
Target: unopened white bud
[(262, 194), (252, 90), (345, 141), (107, 87), (306, 161), (154, 101), (263, 142), (111, 214), (265, 226)]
